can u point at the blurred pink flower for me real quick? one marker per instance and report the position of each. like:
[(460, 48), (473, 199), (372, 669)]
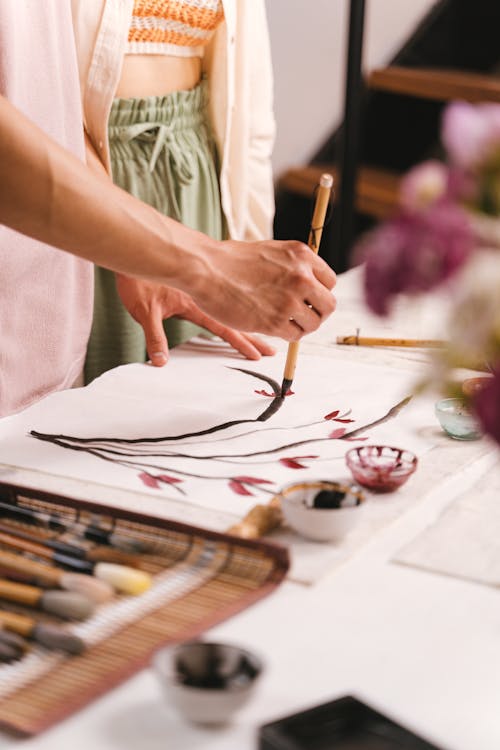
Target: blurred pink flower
[(486, 402), (471, 133), (414, 253), (423, 185)]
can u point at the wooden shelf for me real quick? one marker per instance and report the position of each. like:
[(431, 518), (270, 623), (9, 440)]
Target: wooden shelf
[(430, 83), (376, 190)]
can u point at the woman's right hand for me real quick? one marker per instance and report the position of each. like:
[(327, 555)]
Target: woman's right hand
[(280, 288)]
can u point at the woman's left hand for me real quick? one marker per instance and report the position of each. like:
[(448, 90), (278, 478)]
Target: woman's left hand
[(150, 304)]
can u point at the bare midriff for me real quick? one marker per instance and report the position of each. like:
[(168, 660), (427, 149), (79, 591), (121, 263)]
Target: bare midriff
[(157, 75)]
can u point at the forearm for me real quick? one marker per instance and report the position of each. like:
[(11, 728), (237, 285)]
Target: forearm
[(48, 194)]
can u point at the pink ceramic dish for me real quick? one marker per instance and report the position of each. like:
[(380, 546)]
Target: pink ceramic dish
[(381, 468)]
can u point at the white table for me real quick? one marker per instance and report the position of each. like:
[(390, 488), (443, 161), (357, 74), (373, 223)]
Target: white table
[(422, 648)]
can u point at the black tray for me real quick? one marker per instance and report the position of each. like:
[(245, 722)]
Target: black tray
[(343, 724)]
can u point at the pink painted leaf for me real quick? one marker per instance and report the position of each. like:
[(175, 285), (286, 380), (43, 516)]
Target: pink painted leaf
[(239, 488), (168, 480), (252, 480), (149, 480), (353, 439), (290, 392), (336, 434), (294, 462), (332, 414), (344, 421)]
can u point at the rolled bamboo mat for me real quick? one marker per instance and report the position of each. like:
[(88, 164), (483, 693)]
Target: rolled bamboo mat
[(200, 578)]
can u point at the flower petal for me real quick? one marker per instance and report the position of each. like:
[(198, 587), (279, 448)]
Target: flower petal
[(149, 480), (336, 434)]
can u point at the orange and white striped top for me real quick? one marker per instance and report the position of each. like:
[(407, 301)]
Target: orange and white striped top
[(173, 27)]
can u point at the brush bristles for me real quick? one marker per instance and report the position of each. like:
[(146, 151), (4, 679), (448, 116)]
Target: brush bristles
[(69, 605), (95, 590), (12, 646), (53, 637), (123, 579), (9, 653)]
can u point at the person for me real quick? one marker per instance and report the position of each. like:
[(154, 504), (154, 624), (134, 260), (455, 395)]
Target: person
[(50, 201), (177, 100)]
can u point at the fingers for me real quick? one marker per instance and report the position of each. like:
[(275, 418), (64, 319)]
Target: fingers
[(321, 270), (156, 340), (263, 347), (249, 345)]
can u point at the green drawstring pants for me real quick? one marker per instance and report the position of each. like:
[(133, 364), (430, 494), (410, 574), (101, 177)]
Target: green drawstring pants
[(162, 152)]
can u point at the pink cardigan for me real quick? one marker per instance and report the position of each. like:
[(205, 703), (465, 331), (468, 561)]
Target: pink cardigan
[(45, 294)]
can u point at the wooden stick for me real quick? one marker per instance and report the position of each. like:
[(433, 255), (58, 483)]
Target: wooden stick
[(260, 520), (374, 341), (315, 234)]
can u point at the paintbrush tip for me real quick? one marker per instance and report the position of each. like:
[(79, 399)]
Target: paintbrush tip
[(69, 605), (285, 386), (122, 578), (54, 637), (94, 589)]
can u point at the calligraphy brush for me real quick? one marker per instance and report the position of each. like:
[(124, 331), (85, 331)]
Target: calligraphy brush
[(122, 578), (48, 576), (315, 233), (90, 531), (46, 634), (12, 646), (94, 554), (65, 604)]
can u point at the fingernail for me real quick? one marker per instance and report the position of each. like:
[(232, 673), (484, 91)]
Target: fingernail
[(159, 355)]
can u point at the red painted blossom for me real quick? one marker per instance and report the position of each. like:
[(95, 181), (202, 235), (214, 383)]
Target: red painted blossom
[(154, 481), (294, 462), (338, 433), (238, 484), (334, 417)]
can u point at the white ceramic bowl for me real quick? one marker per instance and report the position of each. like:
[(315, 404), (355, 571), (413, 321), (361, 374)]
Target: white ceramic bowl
[(321, 524), (207, 682)]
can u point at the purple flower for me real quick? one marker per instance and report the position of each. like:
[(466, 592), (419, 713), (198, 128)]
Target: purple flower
[(486, 403), (414, 253), (471, 133)]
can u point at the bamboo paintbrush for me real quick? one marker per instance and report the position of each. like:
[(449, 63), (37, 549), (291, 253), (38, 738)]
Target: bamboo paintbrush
[(122, 578), (315, 233), (68, 605), (49, 576), (50, 636), (98, 553), (375, 341), (91, 531)]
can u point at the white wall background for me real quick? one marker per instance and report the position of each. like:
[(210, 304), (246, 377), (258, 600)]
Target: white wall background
[(309, 43)]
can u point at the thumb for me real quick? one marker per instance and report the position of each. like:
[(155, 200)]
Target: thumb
[(156, 340)]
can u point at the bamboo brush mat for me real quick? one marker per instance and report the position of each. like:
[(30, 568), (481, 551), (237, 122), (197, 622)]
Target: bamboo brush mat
[(199, 579)]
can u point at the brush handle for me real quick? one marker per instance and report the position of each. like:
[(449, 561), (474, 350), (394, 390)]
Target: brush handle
[(79, 566), (18, 623), (260, 520), (37, 536), (315, 234), (45, 575), (19, 592), (53, 521)]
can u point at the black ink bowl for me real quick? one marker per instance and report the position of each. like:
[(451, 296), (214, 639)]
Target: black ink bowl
[(322, 510), (207, 682)]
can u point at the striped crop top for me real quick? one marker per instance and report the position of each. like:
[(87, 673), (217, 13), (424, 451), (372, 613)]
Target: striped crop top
[(173, 27)]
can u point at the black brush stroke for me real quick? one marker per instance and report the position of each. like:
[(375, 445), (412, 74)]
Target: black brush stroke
[(268, 412)]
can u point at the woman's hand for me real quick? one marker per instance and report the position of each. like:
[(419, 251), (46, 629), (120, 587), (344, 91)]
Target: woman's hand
[(150, 304)]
